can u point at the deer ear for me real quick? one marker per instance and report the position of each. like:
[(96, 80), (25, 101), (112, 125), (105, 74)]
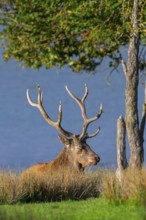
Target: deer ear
[(63, 139)]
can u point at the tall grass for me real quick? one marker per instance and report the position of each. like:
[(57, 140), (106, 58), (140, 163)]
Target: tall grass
[(57, 187), (69, 186), (132, 186)]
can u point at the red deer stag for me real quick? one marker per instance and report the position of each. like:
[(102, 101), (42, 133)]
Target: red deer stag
[(76, 154)]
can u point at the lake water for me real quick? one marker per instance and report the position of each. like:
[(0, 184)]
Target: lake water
[(25, 137)]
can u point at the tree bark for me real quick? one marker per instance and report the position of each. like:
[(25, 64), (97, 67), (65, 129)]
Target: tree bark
[(143, 120), (121, 144), (132, 79), (121, 148)]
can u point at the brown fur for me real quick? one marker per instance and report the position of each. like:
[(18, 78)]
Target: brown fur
[(74, 157)]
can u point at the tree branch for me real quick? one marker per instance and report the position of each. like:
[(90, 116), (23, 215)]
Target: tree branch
[(124, 65)]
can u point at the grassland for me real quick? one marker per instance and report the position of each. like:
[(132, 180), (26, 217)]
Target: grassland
[(98, 195), (91, 209)]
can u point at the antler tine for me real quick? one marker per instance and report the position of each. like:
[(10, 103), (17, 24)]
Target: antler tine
[(30, 100), (60, 113), (40, 98), (73, 96), (39, 105), (80, 102), (84, 134), (40, 95), (87, 121), (86, 93), (92, 135)]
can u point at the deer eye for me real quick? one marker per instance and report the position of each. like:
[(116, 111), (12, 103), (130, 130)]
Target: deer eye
[(83, 148), (78, 148)]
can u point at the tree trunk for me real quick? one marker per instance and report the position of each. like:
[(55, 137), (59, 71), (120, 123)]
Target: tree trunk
[(143, 121), (121, 148), (132, 78), (121, 144)]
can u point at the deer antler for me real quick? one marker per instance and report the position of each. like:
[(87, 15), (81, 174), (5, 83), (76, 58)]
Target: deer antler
[(87, 121), (39, 105)]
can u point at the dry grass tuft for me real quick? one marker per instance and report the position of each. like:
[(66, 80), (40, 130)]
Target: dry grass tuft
[(57, 187), (131, 187), (8, 187)]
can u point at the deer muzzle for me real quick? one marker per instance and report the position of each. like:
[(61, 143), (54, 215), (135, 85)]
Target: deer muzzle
[(93, 160), (97, 159)]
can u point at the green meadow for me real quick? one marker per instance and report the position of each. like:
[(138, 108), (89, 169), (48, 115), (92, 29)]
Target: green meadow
[(99, 208)]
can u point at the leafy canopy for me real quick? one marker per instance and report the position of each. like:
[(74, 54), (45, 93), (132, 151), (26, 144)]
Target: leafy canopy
[(58, 32)]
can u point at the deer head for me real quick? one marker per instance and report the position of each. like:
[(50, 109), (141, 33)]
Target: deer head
[(76, 153)]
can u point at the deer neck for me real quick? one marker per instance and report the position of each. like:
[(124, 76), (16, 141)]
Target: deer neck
[(64, 160)]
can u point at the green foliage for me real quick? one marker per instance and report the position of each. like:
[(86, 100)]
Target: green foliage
[(58, 32)]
